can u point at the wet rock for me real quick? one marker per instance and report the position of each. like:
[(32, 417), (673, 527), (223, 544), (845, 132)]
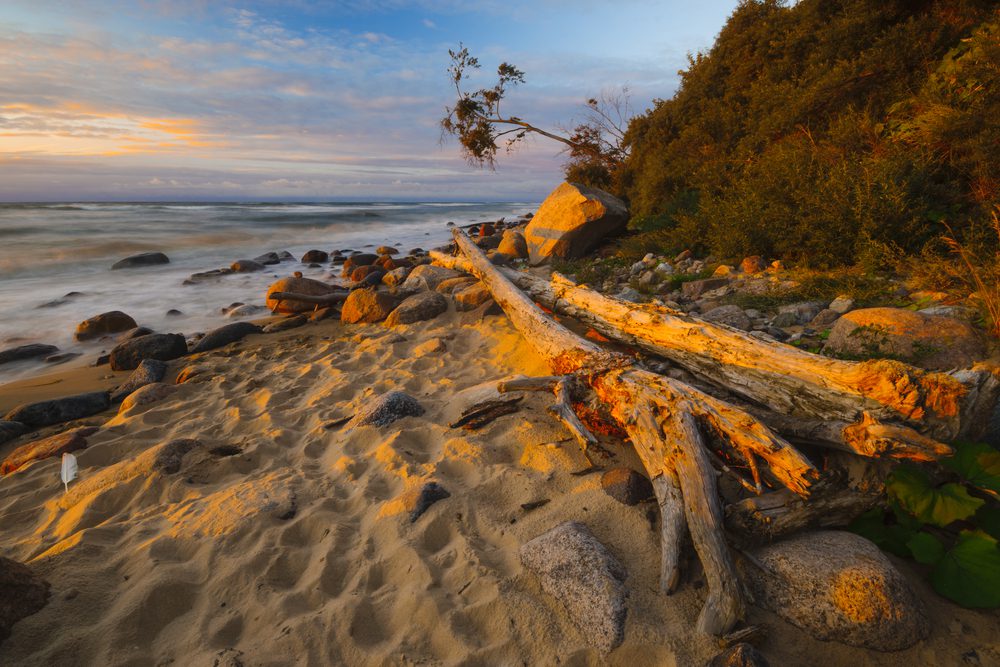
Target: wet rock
[(386, 250), (247, 266), (202, 276), (731, 315), (225, 335), (367, 305), (929, 341), (418, 308), (359, 259), (142, 259), (62, 357), (143, 396), (385, 409), (59, 410), (626, 486), (114, 321), (803, 312), (30, 351), (838, 586), (358, 274), (741, 655), (314, 257), (571, 221), (246, 310), (22, 593), (128, 354), (695, 288), (582, 575), (44, 448), (285, 324), (471, 297), (753, 264), (269, 258), (135, 333), (513, 244), (10, 430), (418, 500), (396, 277), (147, 372), (295, 285), (427, 277)]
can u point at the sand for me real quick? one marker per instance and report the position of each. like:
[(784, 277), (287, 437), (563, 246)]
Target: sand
[(281, 541)]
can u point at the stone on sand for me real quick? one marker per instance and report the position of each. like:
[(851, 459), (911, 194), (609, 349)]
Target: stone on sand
[(385, 409), (44, 448), (295, 285), (144, 396), (224, 335), (626, 486), (418, 308), (59, 410), (427, 277), (367, 305), (147, 372), (30, 351), (114, 321), (128, 354)]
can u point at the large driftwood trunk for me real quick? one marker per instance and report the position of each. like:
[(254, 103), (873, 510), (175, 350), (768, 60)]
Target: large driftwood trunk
[(872, 408), (666, 421)]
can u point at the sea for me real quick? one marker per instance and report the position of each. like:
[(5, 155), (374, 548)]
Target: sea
[(55, 259)]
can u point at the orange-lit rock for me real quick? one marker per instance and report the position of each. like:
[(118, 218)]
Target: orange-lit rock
[(571, 220), (297, 285)]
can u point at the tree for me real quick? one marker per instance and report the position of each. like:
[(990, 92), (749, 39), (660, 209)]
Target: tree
[(479, 124)]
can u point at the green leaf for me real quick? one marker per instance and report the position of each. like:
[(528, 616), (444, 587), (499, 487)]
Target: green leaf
[(940, 506), (925, 548), (888, 537), (978, 463), (969, 573), (988, 519)]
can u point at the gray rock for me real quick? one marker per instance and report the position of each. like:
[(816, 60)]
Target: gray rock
[(418, 308), (247, 266), (58, 410), (225, 335), (22, 593), (246, 310), (804, 312), (838, 586), (629, 294), (10, 430), (786, 319), (841, 304), (135, 333), (957, 312), (582, 575), (147, 372), (730, 315), (29, 351), (269, 258), (128, 354), (386, 409), (824, 318), (142, 259), (695, 288), (626, 486), (315, 257)]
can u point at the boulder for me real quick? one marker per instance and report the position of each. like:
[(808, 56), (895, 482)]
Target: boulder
[(418, 308), (144, 396), (930, 341), (626, 486), (386, 250), (44, 448), (296, 285), (582, 575), (315, 257), (396, 277), (513, 244), (10, 430), (471, 297), (359, 274), (128, 354), (267, 259), (142, 259), (59, 410), (838, 586), (803, 312), (695, 288), (372, 278), (354, 261), (22, 593), (385, 409), (30, 351), (427, 277), (225, 335), (453, 284), (135, 333), (247, 266), (731, 315), (114, 321), (572, 220), (367, 305), (147, 372)]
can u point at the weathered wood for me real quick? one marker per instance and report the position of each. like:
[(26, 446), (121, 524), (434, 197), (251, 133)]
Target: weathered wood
[(673, 529), (765, 518), (661, 416), (879, 408)]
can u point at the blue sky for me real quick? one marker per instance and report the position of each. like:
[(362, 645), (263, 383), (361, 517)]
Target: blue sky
[(288, 99)]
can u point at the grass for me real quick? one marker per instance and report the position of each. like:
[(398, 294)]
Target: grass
[(867, 290), (983, 274)]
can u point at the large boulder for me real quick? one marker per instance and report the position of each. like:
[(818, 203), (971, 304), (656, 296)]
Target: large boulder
[(427, 277), (225, 335), (838, 586), (513, 244), (582, 575), (367, 305), (29, 351), (417, 308), (59, 410), (571, 221), (127, 355), (295, 285), (114, 321), (142, 259), (22, 593), (929, 341)]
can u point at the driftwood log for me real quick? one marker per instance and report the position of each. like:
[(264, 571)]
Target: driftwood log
[(877, 408), (667, 422)]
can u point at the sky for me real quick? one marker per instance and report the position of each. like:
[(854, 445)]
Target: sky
[(109, 100)]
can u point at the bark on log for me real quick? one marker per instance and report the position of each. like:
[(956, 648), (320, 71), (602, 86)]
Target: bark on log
[(849, 405), (664, 419)]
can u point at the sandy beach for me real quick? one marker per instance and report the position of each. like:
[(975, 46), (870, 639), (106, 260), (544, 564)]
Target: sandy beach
[(281, 540)]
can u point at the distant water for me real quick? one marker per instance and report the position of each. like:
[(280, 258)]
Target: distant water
[(50, 250)]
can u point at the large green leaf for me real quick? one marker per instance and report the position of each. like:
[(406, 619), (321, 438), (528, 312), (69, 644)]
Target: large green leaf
[(969, 573), (988, 519), (978, 463), (940, 506), (925, 548), (888, 537)]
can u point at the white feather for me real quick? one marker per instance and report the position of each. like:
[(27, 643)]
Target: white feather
[(69, 469)]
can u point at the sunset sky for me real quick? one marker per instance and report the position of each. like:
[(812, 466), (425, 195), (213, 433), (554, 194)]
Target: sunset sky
[(215, 100)]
